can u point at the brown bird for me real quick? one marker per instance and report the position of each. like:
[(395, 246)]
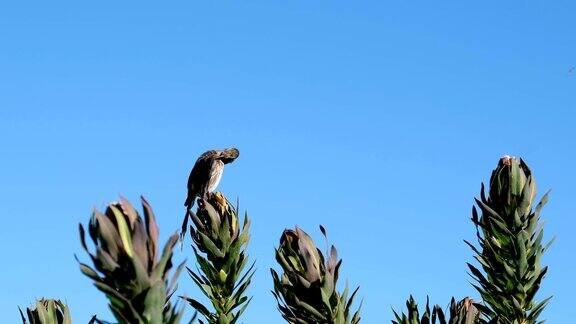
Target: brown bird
[(205, 176)]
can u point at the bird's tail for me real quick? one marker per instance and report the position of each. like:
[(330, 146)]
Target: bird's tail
[(189, 201), (184, 228)]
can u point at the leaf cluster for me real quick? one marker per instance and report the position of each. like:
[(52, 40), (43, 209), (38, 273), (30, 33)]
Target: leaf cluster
[(462, 312), (219, 247)]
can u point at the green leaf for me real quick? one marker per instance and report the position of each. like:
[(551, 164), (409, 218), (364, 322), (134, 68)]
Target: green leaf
[(223, 276), (124, 231), (154, 303), (208, 244)]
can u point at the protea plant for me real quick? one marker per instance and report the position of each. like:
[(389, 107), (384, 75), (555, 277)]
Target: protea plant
[(510, 237), (306, 291), (47, 311), (128, 267), (462, 312), (220, 249)]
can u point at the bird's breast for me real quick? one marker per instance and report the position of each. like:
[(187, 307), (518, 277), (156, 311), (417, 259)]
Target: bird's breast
[(215, 176)]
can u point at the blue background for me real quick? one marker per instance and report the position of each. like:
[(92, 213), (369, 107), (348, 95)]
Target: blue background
[(376, 119)]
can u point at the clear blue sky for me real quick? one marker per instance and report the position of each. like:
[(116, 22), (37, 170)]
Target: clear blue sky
[(377, 119)]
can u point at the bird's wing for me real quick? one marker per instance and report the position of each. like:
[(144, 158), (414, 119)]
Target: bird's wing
[(198, 177)]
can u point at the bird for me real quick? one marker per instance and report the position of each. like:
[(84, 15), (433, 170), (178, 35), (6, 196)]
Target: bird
[(205, 177)]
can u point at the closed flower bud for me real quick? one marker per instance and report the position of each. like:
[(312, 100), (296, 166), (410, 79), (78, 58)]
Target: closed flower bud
[(511, 185)]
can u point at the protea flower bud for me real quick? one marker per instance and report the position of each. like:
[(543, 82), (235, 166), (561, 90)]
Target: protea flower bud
[(297, 245), (306, 291), (127, 267), (216, 220), (47, 311), (512, 186)]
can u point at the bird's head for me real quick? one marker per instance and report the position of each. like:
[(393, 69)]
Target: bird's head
[(228, 155)]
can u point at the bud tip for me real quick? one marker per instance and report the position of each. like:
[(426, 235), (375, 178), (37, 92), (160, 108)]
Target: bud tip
[(507, 159)]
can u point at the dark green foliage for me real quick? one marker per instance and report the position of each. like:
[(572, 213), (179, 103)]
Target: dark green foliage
[(127, 266), (306, 291), (463, 312), (47, 311), (510, 245), (219, 247)]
